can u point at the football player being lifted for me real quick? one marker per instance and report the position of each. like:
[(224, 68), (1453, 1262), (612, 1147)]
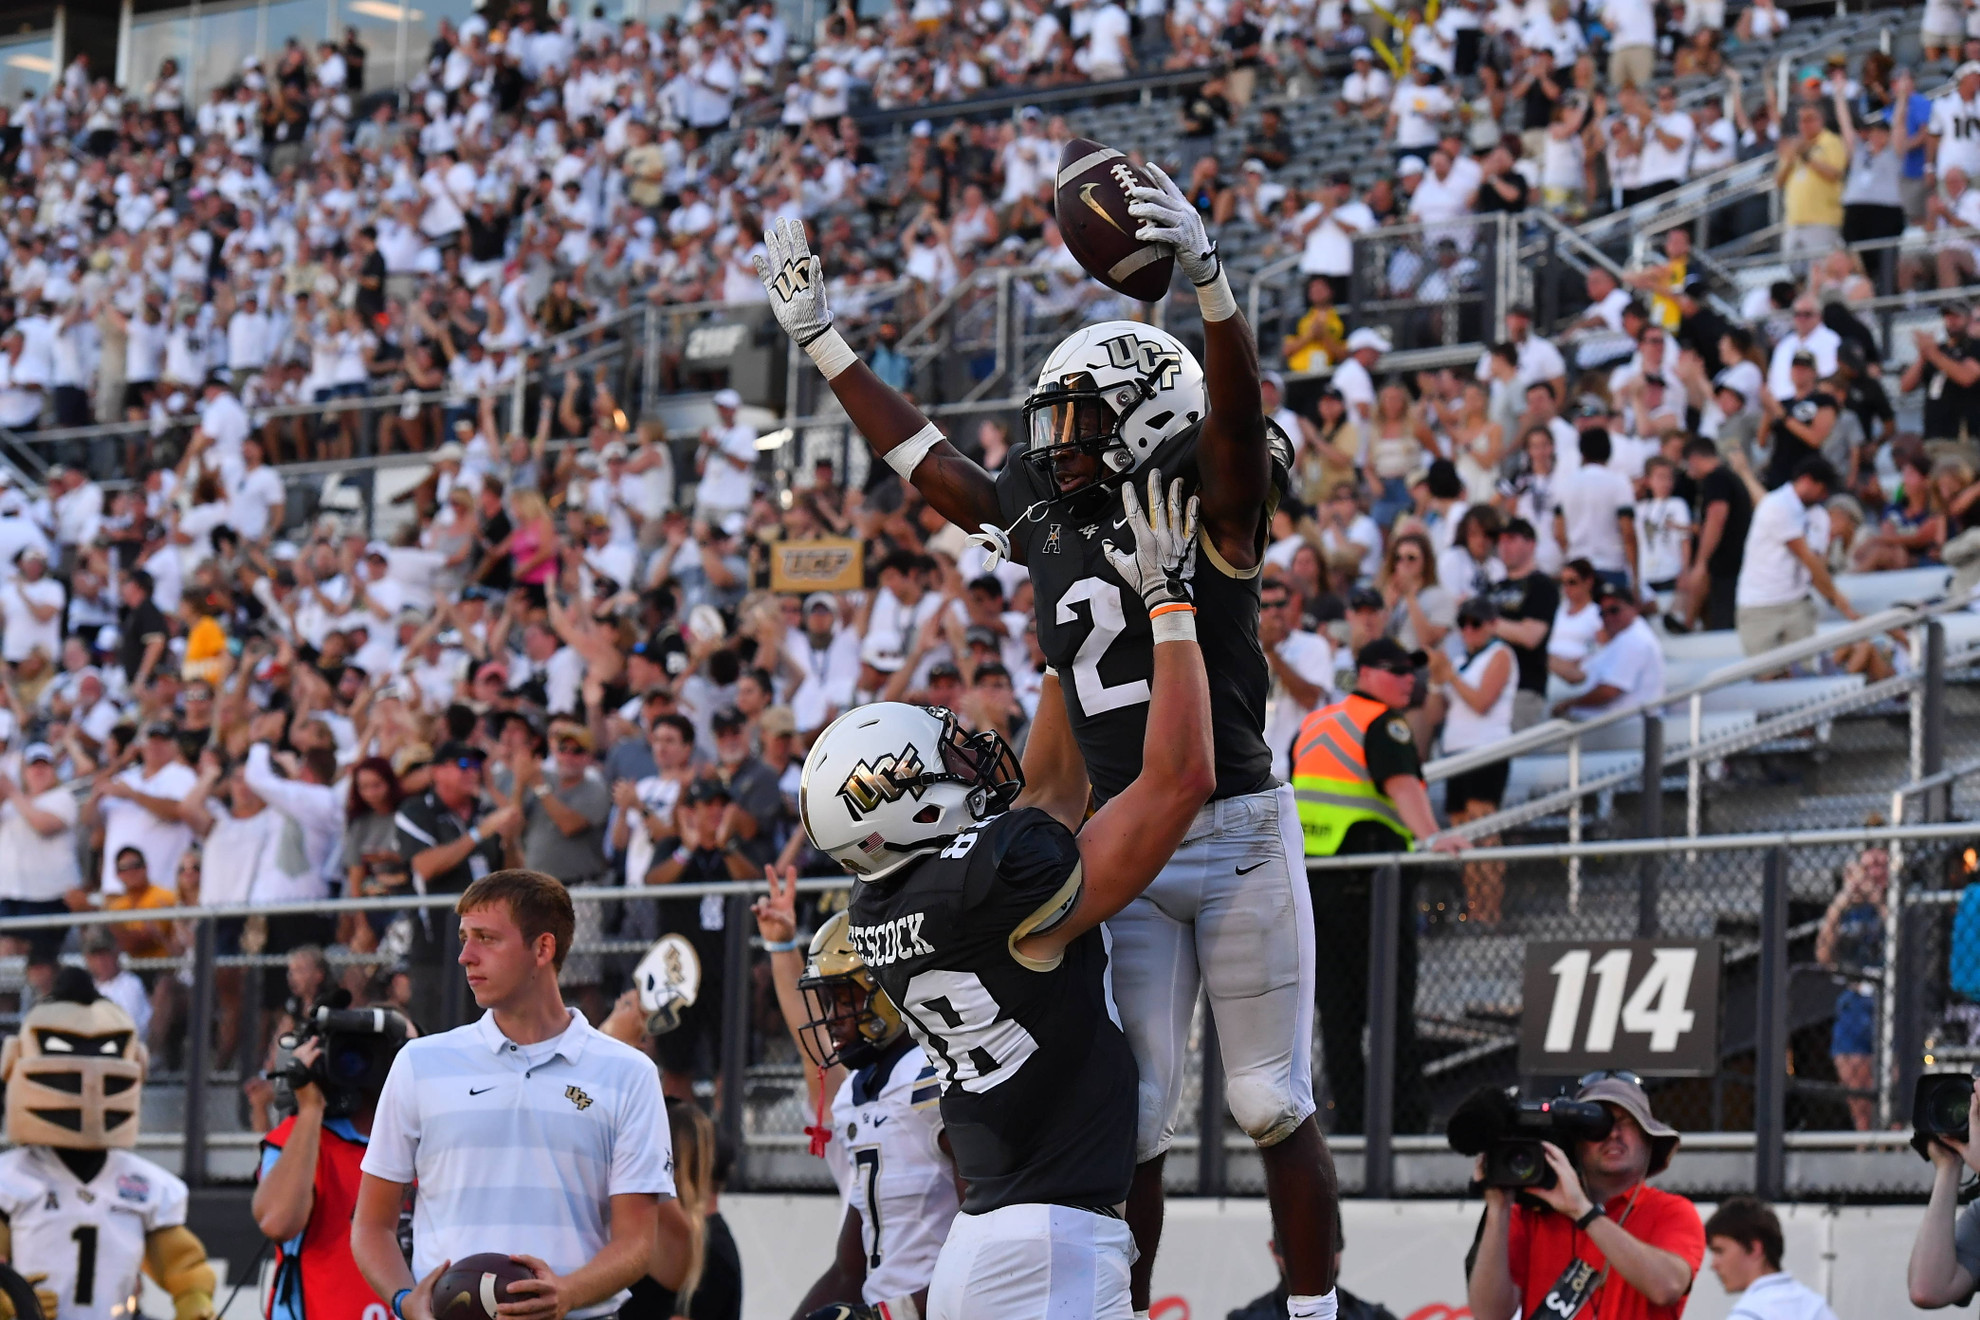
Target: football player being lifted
[(978, 913), (80, 1214), (1231, 911), (886, 1147)]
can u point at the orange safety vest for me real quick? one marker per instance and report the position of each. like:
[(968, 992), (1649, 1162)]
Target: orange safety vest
[(1330, 778)]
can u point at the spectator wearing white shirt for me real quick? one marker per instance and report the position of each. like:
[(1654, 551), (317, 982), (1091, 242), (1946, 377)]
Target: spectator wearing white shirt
[(1628, 669), (1810, 336), (1595, 512), (1743, 1239), (1366, 90), (140, 807), (1783, 559), (725, 461), (1632, 26), (1301, 665), (1539, 361), (1416, 110), (38, 867), (255, 501), (1667, 143), (31, 604), (1327, 228)]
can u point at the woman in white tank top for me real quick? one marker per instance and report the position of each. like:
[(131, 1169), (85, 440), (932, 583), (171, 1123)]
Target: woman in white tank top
[(1478, 695)]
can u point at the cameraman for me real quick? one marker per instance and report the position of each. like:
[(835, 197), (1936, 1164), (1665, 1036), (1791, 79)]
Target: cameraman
[(1945, 1257), (1636, 1238), (307, 1197)]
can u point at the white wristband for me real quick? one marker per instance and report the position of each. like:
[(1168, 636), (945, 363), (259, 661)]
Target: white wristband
[(907, 455), (829, 351), (1049, 672), (1174, 626), (1215, 298)]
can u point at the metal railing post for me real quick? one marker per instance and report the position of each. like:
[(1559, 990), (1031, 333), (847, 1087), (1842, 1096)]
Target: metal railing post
[(453, 985), (199, 1042), (1770, 1032), (1694, 771), (1932, 731), (1894, 908), (736, 983), (1650, 825), (1211, 1161), (649, 394), (1574, 823), (1384, 962)]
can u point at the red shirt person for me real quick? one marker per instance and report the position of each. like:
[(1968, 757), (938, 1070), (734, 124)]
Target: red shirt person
[(1645, 1245)]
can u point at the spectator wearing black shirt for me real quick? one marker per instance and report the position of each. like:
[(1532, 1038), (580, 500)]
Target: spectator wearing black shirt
[(1699, 327), (1206, 109), (1949, 371), (1501, 188), (496, 572), (706, 847), (142, 630), (370, 300), (1270, 142), (1722, 513), (1527, 600), (1797, 426), (1242, 40), (1539, 89)]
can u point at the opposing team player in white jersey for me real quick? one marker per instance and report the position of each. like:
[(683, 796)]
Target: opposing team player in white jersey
[(886, 1147), (1230, 914), (1955, 125)]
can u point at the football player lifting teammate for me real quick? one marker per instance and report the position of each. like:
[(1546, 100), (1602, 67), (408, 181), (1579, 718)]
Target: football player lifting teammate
[(977, 911), (1230, 910)]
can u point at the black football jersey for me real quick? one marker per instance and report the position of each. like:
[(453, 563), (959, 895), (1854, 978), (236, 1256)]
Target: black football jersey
[(1038, 1086), (1096, 635)]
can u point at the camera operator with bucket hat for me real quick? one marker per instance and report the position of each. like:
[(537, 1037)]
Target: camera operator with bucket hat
[(1601, 1233)]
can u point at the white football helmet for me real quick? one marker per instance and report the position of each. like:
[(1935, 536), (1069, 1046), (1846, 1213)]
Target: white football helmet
[(668, 980), (889, 782), (1117, 389)]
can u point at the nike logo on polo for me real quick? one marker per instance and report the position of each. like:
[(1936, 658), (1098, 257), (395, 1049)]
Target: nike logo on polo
[(1247, 870), (472, 1091), (877, 1120)]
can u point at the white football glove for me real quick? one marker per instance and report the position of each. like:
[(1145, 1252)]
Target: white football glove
[(1169, 219), (1164, 556), (795, 281)]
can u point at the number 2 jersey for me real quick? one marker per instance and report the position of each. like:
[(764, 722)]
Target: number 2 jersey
[(886, 1155), (1038, 1086), (1096, 635), (88, 1238)]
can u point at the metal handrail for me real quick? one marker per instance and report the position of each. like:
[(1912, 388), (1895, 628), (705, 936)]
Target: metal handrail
[(1693, 193), (1546, 736), (1658, 847)]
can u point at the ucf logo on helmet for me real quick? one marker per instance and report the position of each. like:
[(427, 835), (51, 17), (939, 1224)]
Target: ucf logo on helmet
[(1144, 355), (885, 781)]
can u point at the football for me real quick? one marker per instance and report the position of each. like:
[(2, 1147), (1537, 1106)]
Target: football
[(1092, 207), (474, 1286)]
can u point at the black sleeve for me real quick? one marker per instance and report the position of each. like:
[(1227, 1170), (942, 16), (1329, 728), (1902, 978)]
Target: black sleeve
[(1543, 600), (1391, 750), (1026, 860)]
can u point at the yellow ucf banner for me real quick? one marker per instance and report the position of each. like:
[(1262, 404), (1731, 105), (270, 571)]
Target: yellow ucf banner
[(830, 564)]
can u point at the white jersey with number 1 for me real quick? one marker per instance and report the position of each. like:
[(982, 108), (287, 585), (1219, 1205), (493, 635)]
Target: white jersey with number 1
[(88, 1238), (887, 1157)]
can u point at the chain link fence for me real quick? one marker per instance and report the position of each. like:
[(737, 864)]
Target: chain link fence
[(1865, 1005)]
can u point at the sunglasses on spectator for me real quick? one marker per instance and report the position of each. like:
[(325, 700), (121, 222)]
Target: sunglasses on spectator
[(1278, 604), (1607, 1074), (1612, 609), (129, 866), (570, 749)]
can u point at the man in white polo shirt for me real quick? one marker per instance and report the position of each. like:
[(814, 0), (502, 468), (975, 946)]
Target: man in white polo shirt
[(527, 1132)]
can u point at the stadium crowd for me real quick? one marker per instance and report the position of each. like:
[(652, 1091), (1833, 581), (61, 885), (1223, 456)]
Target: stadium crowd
[(570, 654)]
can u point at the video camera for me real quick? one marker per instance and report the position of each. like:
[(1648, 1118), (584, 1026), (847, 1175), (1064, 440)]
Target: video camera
[(358, 1046), (1939, 1105), (1507, 1130)]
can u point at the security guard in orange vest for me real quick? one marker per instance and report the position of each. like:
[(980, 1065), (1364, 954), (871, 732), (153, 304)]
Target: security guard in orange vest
[(1359, 786)]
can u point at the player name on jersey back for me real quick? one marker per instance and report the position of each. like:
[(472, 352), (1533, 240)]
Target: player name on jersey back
[(891, 941)]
